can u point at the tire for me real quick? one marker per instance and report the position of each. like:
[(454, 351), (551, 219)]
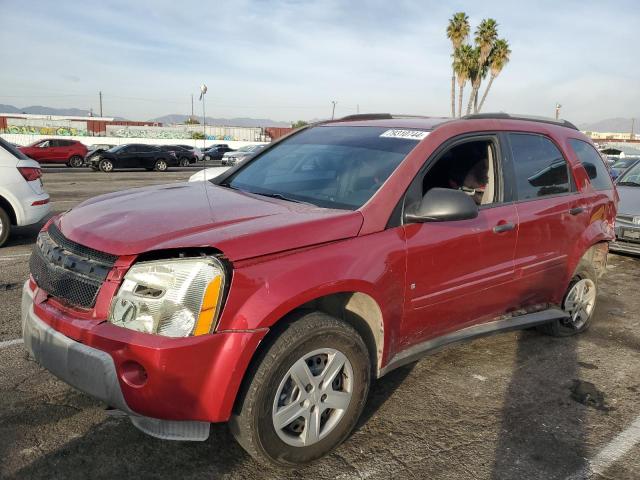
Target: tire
[(106, 165), (321, 340), (76, 161), (161, 165), (184, 162), (5, 226), (584, 277)]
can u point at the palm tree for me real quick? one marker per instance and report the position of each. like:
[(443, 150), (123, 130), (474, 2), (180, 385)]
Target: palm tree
[(485, 37), (463, 65), (457, 32), (498, 58)]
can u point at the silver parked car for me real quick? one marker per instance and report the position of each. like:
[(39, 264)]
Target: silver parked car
[(628, 218), (237, 156)]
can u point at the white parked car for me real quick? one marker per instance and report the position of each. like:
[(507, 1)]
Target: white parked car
[(207, 174), (23, 200)]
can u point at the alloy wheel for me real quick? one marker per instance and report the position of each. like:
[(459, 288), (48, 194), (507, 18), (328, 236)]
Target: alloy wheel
[(106, 166), (312, 397), (580, 302)]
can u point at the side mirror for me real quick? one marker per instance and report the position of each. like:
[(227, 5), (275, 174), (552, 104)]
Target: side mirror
[(441, 205)]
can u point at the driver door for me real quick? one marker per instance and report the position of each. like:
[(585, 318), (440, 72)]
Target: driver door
[(459, 272)]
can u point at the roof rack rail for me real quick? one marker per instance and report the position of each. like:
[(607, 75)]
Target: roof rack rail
[(530, 118), (366, 116)]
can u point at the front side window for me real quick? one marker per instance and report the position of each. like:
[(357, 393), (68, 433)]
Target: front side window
[(593, 164), (469, 167), (539, 167), (329, 166)]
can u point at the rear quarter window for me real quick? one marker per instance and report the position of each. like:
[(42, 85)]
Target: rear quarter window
[(592, 163), (539, 167)]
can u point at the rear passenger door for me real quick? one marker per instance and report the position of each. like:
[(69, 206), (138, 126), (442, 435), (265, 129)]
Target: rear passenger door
[(551, 217)]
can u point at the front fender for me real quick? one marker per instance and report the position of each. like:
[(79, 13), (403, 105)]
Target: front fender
[(265, 290)]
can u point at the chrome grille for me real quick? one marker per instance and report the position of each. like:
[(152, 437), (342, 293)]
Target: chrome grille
[(67, 270)]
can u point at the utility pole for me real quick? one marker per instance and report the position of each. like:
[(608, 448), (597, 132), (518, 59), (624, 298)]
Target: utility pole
[(358, 108), (633, 124), (558, 107), (333, 110), (100, 95), (192, 115)]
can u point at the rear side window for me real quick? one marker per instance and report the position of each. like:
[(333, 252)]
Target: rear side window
[(593, 164), (12, 150), (539, 167)]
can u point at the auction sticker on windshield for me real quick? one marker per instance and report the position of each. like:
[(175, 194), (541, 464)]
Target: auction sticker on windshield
[(407, 134)]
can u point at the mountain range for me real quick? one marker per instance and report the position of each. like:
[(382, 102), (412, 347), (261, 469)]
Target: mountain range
[(166, 119), (607, 125)]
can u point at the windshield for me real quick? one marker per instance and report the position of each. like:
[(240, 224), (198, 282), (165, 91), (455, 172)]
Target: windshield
[(631, 177), (333, 166), (623, 163)]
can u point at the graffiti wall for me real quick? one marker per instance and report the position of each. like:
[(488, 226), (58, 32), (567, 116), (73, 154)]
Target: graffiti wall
[(30, 126)]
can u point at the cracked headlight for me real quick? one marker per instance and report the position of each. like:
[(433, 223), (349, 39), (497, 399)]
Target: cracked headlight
[(173, 298)]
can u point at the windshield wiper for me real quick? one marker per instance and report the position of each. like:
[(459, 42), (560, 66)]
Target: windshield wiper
[(629, 184), (282, 197)]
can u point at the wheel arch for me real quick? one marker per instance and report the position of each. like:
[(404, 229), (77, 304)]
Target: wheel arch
[(8, 207)]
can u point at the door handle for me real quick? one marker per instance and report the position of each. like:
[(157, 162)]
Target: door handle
[(576, 210), (503, 227)]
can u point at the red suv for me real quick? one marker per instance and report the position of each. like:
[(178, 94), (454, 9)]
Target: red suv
[(273, 297), (54, 150)]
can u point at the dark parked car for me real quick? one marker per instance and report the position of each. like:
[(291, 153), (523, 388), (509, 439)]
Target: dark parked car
[(216, 152), (54, 150), (134, 155), (272, 296), (185, 156)]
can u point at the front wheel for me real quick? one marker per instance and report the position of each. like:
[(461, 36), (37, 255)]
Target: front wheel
[(184, 162), (76, 161), (5, 226), (161, 166), (579, 303), (306, 393), (105, 165)]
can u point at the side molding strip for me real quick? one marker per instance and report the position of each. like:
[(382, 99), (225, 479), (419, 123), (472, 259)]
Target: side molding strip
[(416, 352)]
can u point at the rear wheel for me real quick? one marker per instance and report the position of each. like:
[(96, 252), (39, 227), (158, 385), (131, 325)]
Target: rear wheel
[(306, 393), (184, 162), (106, 165), (5, 226), (161, 166), (579, 303), (76, 161)]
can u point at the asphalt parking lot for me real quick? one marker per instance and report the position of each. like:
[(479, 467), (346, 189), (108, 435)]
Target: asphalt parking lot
[(515, 406)]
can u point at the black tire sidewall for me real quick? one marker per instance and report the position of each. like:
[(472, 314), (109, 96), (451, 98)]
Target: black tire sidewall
[(267, 438), (71, 160), (6, 226), (100, 166)]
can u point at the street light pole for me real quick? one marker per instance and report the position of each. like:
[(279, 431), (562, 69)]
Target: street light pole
[(203, 91), (558, 107), (333, 110)]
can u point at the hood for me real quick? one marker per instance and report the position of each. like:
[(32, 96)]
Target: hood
[(241, 225), (629, 203)]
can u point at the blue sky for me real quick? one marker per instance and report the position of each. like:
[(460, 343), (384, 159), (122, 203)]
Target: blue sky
[(288, 60)]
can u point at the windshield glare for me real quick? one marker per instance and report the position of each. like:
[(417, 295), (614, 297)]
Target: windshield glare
[(329, 166), (632, 175)]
